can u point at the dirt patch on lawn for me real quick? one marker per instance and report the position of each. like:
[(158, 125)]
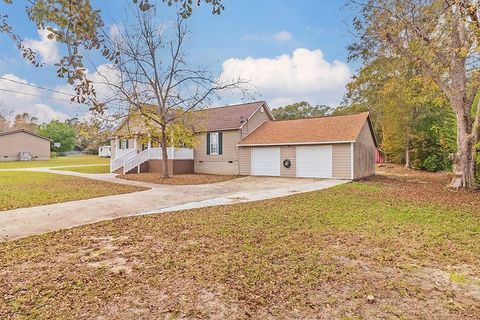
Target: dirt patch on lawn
[(181, 179)]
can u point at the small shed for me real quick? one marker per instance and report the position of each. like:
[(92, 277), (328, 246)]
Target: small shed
[(14, 143)]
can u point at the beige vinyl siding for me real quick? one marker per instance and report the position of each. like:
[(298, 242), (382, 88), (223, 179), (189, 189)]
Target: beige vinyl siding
[(364, 154), (245, 160), (342, 161), (12, 144), (255, 121), (225, 163), (290, 153)]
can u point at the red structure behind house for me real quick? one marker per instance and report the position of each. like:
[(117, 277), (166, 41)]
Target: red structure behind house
[(378, 157)]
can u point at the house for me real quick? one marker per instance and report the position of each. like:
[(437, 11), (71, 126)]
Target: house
[(14, 143), (245, 139), (104, 151)]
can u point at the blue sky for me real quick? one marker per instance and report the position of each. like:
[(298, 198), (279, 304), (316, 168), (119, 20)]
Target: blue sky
[(290, 50)]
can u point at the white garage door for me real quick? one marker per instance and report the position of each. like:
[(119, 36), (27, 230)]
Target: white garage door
[(314, 161), (266, 161)]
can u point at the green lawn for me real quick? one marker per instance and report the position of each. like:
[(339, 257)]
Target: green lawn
[(89, 169), (54, 162), (406, 241), (19, 189)]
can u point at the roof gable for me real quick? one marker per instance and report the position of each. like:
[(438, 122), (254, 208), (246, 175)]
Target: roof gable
[(227, 117), (330, 129), (6, 133)]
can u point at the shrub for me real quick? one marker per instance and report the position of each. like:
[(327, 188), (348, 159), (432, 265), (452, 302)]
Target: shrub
[(434, 163)]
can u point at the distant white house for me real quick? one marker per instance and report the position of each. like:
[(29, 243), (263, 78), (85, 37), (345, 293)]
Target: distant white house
[(104, 151)]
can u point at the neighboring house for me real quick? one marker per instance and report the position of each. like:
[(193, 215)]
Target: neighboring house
[(104, 151), (15, 142), (245, 139)]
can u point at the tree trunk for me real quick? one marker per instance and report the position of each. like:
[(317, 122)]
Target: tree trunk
[(165, 153), (464, 160), (407, 153)]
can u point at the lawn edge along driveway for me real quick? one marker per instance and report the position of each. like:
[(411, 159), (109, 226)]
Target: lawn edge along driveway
[(161, 198), (23, 189)]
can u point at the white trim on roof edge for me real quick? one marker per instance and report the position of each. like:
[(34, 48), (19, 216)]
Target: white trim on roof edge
[(215, 130), (291, 143)]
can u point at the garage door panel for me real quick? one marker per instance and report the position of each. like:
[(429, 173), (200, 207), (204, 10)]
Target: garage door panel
[(266, 161), (314, 161)]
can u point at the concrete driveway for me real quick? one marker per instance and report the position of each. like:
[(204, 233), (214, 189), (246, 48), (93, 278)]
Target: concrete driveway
[(23, 222)]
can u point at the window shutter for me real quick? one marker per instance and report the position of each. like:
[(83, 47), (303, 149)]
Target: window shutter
[(220, 142), (120, 144), (126, 147), (208, 142)]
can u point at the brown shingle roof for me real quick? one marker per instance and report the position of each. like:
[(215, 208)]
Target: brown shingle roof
[(227, 117), (325, 129)]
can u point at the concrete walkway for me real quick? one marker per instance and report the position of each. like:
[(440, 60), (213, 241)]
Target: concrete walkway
[(23, 222)]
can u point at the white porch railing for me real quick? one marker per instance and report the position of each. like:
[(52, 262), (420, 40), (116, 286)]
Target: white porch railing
[(182, 153), (119, 153), (118, 162), (155, 154), (136, 161)]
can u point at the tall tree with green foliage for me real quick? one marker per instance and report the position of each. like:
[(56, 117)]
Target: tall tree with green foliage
[(90, 134), (442, 39), (300, 110), (408, 110), (59, 132)]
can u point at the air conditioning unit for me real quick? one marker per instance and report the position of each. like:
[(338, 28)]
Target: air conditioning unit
[(25, 156)]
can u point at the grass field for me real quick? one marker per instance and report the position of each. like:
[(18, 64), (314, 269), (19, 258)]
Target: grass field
[(19, 189), (54, 162), (391, 247), (87, 169)]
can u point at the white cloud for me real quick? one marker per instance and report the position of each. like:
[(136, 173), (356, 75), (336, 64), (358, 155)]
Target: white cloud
[(27, 100), (104, 74), (115, 32), (46, 48), (45, 113), (304, 75), (283, 36)]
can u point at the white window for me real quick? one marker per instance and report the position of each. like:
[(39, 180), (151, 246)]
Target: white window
[(214, 143)]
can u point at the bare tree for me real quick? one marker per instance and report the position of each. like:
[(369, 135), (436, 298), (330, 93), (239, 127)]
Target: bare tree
[(5, 114), (442, 38), (78, 25), (154, 78)]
